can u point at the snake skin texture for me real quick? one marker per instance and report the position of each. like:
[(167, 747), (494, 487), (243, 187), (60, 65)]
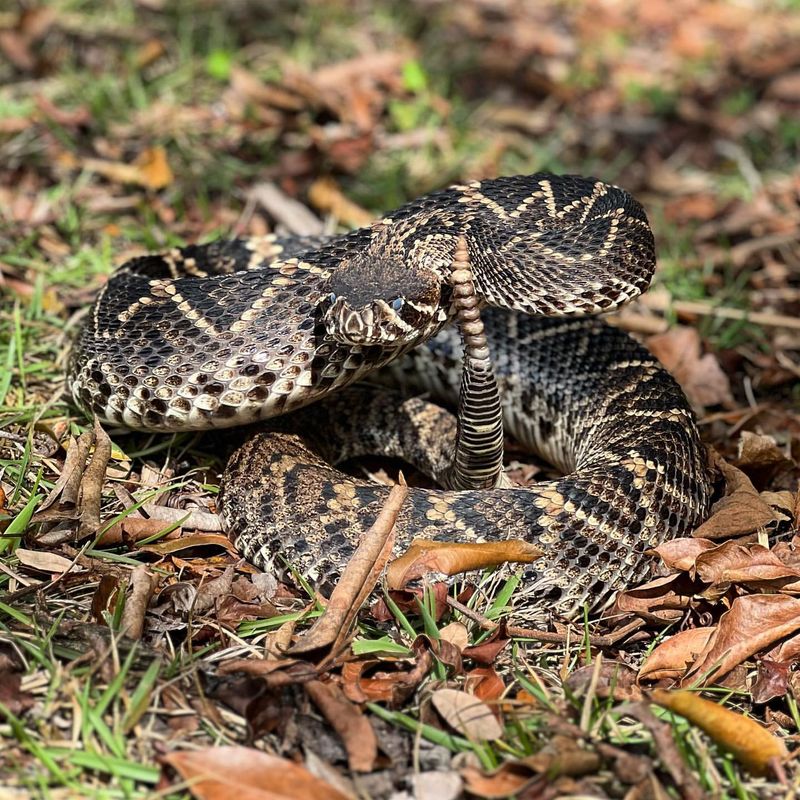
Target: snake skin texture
[(235, 332), (580, 393), (216, 335)]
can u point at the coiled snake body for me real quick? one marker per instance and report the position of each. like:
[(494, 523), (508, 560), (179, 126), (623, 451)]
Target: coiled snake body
[(225, 334)]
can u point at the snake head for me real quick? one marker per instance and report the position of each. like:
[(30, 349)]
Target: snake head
[(381, 301)]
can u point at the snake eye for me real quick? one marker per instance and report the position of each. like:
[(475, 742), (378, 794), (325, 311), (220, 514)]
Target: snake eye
[(398, 303)]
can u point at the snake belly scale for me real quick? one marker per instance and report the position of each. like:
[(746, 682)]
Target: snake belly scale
[(234, 332)]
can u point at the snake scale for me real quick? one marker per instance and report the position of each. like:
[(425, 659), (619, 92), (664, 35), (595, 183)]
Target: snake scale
[(234, 332)]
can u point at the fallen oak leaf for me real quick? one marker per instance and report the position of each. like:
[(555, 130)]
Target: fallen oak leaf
[(508, 780), (456, 633), (247, 774), (450, 558), (385, 686), (346, 718), (170, 546), (486, 685), (750, 743), (771, 681), (700, 376), (664, 598), (732, 562), (760, 458), (680, 554), (740, 511), (672, 657), (408, 600), (471, 717), (752, 623), (606, 679), (562, 755), (44, 561), (133, 529)]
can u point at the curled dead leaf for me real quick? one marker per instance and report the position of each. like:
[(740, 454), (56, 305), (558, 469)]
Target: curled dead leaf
[(752, 623), (215, 773), (760, 458), (732, 562), (740, 511), (749, 742), (509, 780), (451, 558), (680, 554), (672, 657), (347, 720), (471, 717), (771, 681), (700, 376)]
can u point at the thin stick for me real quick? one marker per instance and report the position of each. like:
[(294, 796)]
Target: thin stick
[(657, 302), (544, 636)]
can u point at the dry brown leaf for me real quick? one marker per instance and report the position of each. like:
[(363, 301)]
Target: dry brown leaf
[(219, 773), (134, 529), (149, 52), (509, 780), (252, 88), (150, 169), (385, 686), (771, 681), (471, 717), (485, 684), (760, 458), (326, 196), (748, 741), (455, 633), (142, 587), (700, 376), (680, 554), (786, 651), (732, 562), (664, 598), (752, 623), (451, 558), (43, 561), (562, 755), (672, 658), (740, 512), (347, 720), (606, 678)]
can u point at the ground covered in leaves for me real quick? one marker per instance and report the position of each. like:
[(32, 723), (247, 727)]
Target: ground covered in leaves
[(139, 654)]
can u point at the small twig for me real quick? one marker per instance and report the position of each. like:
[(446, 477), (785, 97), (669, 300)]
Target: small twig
[(550, 637), (142, 587), (660, 302)]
